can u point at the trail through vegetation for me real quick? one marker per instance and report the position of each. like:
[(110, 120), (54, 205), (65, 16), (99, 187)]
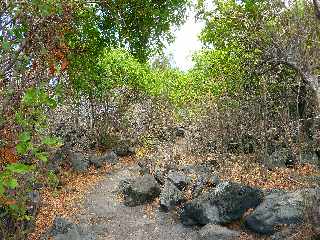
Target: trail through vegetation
[(86, 86)]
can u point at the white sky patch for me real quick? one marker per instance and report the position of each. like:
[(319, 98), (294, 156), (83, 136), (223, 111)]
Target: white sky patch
[(185, 44)]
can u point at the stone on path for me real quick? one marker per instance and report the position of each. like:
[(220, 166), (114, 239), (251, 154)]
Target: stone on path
[(140, 190), (109, 157), (79, 162), (179, 179), (223, 204), (170, 196), (216, 232), (282, 209)]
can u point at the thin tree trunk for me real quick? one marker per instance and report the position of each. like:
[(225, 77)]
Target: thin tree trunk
[(317, 91)]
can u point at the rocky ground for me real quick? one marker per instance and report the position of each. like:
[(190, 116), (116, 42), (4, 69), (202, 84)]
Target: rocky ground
[(104, 216), (120, 196), (129, 201)]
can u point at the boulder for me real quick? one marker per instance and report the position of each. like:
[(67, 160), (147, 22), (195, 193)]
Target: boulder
[(57, 159), (79, 162), (216, 232), (179, 179), (199, 212), (310, 158), (279, 158), (160, 176), (139, 191), (286, 233), (124, 151), (223, 204), (202, 182), (71, 234), (61, 226), (203, 177), (34, 201), (179, 131), (199, 185), (170, 197), (99, 161), (281, 209), (62, 229)]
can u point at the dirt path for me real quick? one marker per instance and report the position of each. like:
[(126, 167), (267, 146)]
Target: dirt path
[(114, 221)]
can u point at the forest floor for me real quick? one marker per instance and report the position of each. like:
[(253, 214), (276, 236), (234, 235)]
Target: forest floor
[(92, 198)]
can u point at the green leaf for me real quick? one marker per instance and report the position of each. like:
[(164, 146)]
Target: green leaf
[(2, 189), (25, 137), (12, 183), (30, 97), (14, 207), (45, 9), (22, 148), (52, 141), (18, 168), (5, 45), (52, 103), (21, 120), (43, 156)]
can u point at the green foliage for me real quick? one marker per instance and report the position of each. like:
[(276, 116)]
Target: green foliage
[(52, 141), (9, 181), (233, 38), (141, 26), (36, 97), (32, 141), (45, 43), (119, 68), (53, 179)]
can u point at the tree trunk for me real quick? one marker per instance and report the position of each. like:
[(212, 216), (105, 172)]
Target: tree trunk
[(318, 102)]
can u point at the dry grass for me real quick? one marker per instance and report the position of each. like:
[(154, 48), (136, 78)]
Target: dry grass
[(245, 170)]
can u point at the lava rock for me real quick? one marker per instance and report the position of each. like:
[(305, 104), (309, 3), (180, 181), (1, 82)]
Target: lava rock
[(199, 185), (216, 232), (285, 233), (62, 229), (170, 197), (34, 202), (223, 204), (58, 158), (79, 162), (160, 176), (61, 226), (124, 151), (179, 131), (279, 158), (310, 158), (179, 179), (99, 161), (281, 209), (202, 182), (71, 234), (199, 212), (139, 191)]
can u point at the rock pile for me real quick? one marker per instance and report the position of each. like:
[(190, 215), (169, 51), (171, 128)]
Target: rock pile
[(222, 202)]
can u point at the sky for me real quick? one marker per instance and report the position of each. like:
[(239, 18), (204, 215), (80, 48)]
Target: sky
[(185, 44)]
